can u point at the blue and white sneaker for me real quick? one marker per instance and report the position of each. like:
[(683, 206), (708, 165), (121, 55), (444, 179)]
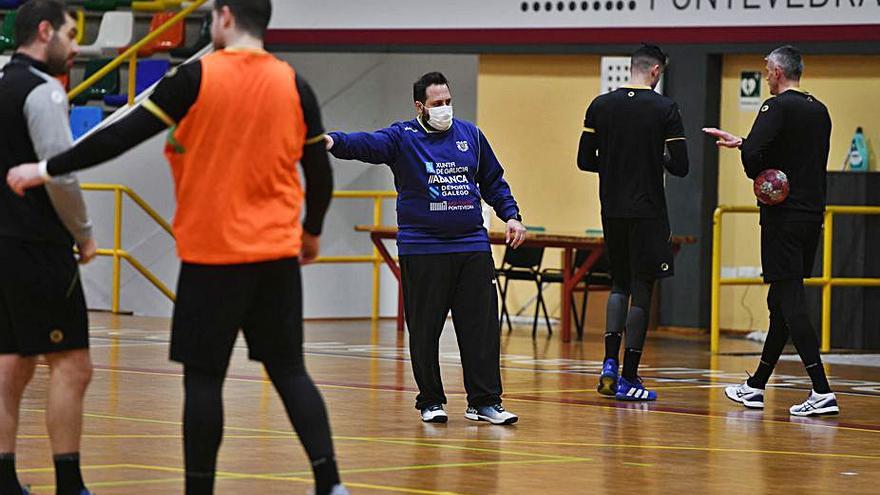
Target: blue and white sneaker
[(816, 404), (634, 391), (496, 415), (608, 378), (751, 397), (434, 414)]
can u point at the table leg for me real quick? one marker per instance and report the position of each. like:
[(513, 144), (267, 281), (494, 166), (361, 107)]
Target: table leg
[(567, 287), (395, 270), (570, 281), (400, 309)]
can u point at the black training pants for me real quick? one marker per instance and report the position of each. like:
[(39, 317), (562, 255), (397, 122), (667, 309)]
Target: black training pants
[(465, 284)]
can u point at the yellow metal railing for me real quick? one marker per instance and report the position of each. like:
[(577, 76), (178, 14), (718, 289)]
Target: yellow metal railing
[(131, 54), (826, 281), (375, 259), (118, 254)]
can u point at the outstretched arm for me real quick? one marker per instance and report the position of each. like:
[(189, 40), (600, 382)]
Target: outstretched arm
[(764, 132), (169, 103), (377, 147)]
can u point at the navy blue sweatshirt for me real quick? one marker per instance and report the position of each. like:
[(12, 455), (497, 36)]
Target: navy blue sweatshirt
[(441, 178)]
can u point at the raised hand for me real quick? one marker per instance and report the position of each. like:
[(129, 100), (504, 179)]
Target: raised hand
[(724, 139)]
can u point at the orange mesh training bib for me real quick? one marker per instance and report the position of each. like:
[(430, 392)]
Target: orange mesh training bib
[(239, 194)]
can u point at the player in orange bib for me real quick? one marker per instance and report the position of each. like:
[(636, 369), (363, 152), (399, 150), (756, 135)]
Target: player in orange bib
[(240, 122)]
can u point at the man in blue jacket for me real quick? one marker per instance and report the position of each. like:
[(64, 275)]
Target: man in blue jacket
[(443, 168)]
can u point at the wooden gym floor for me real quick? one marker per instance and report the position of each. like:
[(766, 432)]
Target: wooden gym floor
[(569, 439)]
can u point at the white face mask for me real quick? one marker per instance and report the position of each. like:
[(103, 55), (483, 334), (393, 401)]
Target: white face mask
[(440, 117)]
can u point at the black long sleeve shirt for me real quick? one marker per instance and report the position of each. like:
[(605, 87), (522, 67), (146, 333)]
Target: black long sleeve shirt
[(792, 133), (630, 136)]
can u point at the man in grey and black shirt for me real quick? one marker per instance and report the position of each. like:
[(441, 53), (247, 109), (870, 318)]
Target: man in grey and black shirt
[(42, 307)]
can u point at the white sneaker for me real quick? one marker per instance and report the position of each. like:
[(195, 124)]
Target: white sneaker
[(751, 397), (337, 490), (434, 414), (496, 415), (816, 404)]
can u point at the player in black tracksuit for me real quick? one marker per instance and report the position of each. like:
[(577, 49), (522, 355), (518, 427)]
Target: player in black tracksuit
[(791, 133), (630, 136)]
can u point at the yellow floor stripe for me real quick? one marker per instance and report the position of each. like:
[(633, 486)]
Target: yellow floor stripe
[(425, 443), (116, 484), (687, 414), (160, 437), (52, 470), (662, 447), (513, 399), (308, 480), (422, 467)]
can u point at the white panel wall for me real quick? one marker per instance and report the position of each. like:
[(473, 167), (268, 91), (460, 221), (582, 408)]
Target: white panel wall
[(357, 92), (527, 14)]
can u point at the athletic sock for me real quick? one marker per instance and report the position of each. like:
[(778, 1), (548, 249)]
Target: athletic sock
[(68, 477), (8, 479), (761, 376), (631, 358), (817, 375), (612, 346), (326, 475)]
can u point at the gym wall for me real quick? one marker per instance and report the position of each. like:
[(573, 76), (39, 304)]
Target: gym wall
[(531, 108)]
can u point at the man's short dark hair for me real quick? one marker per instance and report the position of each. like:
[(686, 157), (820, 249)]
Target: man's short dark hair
[(32, 13), (420, 88), (251, 16), (647, 56), (788, 58)]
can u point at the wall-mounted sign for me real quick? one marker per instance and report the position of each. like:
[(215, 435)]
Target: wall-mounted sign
[(750, 91)]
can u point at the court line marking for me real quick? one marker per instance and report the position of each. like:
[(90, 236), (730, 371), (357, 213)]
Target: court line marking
[(399, 441), (423, 467), (422, 443), (427, 442), (117, 484), (511, 397), (525, 369), (270, 477), (404, 358), (615, 406), (585, 390), (52, 469), (663, 447), (229, 475)]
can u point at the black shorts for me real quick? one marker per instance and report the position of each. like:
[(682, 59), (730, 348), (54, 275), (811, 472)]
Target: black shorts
[(42, 307), (638, 248), (788, 249), (214, 302)]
